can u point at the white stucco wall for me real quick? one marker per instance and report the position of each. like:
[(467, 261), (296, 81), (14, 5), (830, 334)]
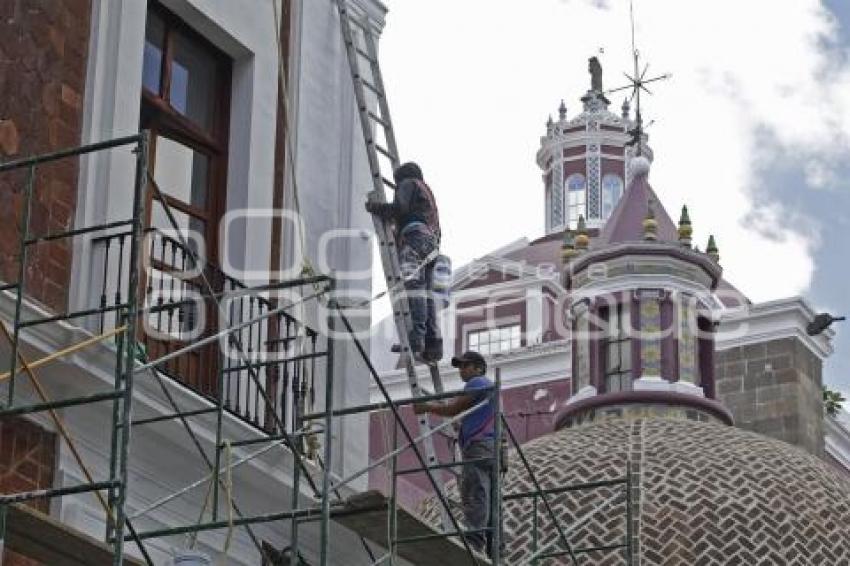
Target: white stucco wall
[(332, 177)]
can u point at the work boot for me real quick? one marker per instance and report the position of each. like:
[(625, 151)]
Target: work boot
[(433, 349), (396, 349)]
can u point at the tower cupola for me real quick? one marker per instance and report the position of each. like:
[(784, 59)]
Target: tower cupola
[(584, 158)]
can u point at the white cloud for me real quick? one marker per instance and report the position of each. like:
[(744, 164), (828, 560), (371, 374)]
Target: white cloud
[(471, 84)]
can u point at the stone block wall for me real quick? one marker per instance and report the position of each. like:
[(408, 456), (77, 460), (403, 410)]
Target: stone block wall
[(774, 388), (43, 54), (27, 462)]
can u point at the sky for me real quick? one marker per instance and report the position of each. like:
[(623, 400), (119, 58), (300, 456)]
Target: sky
[(752, 131)]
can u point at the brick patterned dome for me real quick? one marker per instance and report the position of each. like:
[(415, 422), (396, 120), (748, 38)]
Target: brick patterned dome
[(705, 493)]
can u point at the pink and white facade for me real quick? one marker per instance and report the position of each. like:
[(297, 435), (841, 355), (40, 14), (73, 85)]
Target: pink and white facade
[(615, 313)]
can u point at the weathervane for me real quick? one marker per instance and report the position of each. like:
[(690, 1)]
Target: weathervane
[(637, 82)]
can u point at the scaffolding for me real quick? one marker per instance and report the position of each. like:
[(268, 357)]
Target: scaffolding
[(410, 537), (263, 364)]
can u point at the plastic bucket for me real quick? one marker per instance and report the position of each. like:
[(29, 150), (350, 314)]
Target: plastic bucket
[(191, 558), (441, 278)]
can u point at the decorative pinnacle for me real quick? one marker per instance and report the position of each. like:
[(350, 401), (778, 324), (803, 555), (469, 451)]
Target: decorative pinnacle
[(650, 226), (582, 238), (562, 111), (568, 248), (685, 228), (549, 126), (626, 108), (711, 249)]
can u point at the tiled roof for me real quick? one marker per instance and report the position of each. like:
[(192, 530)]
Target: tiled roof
[(626, 221)]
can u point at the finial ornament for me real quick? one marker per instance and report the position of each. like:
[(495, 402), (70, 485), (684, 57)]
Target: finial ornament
[(711, 249), (568, 248), (650, 225), (562, 111), (638, 166), (685, 228), (582, 239), (626, 108), (549, 126)]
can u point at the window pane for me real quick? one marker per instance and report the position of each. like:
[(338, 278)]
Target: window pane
[(613, 361), (612, 189), (186, 224), (152, 65), (626, 355), (515, 331), (625, 312), (181, 172), (473, 340), (193, 79), (613, 324)]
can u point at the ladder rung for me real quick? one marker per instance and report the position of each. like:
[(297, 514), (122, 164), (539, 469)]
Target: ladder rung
[(385, 152), (388, 183), (369, 85), (365, 56), (378, 119), (358, 23)]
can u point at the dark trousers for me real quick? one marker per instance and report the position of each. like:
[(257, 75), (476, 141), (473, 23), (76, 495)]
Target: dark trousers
[(476, 485), (416, 246)]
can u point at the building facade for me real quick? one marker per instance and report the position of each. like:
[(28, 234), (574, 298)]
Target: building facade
[(615, 309), (246, 104)]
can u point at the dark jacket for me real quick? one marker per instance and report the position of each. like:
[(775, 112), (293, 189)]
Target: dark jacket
[(413, 202)]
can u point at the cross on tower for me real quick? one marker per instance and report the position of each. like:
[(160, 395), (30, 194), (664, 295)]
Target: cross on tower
[(637, 83)]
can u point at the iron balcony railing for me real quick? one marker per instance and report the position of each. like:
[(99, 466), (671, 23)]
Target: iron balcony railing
[(184, 304)]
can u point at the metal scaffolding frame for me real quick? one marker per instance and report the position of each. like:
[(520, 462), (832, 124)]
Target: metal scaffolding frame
[(121, 394), (120, 526), (324, 489)]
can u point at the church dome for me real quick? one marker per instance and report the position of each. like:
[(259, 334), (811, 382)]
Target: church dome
[(703, 493)]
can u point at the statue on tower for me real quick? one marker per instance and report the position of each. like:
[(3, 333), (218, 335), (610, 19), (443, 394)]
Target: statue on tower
[(595, 70)]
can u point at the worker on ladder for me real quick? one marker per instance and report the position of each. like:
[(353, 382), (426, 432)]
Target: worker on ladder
[(417, 230)]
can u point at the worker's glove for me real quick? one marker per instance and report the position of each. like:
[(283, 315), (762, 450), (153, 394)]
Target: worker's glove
[(373, 207)]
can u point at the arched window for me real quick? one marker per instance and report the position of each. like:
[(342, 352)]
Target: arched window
[(612, 190), (576, 197)]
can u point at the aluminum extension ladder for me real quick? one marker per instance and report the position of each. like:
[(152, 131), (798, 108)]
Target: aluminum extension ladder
[(382, 162)]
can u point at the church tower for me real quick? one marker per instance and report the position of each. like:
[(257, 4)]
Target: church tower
[(584, 159)]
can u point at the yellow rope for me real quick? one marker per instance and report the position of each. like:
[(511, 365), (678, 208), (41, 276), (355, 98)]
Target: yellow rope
[(57, 420), (228, 488), (64, 352)]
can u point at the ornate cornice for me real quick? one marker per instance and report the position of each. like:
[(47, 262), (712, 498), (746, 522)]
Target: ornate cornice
[(664, 249), (669, 398)]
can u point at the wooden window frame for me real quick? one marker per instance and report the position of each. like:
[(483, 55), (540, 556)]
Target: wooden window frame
[(162, 119)]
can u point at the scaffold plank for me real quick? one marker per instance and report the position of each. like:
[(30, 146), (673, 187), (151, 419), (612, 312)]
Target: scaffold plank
[(366, 514), (35, 535)]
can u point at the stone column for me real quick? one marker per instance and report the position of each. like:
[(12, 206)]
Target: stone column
[(688, 367), (650, 333), (581, 373)]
